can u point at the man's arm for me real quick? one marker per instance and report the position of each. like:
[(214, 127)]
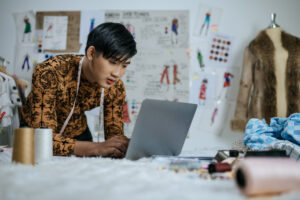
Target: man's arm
[(40, 107)]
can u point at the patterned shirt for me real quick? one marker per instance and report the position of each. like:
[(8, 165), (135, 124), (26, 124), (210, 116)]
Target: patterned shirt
[(52, 97)]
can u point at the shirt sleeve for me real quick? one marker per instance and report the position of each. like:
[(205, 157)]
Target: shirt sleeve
[(113, 111), (40, 107)]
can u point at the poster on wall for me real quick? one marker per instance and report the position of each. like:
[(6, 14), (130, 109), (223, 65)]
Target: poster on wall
[(207, 21), (89, 19), (160, 70)]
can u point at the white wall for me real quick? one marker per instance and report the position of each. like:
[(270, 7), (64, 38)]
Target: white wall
[(242, 19)]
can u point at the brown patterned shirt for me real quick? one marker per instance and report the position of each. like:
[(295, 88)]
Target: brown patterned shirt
[(52, 96)]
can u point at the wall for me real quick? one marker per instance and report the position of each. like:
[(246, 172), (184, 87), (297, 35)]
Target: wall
[(241, 19)]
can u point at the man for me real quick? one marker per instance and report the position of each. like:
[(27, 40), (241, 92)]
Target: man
[(108, 52)]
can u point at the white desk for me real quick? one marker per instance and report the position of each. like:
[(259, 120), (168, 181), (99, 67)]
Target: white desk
[(103, 178)]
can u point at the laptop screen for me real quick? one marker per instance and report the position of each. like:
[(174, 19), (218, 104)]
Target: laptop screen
[(160, 129)]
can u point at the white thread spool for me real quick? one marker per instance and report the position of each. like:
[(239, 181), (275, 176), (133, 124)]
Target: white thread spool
[(43, 145)]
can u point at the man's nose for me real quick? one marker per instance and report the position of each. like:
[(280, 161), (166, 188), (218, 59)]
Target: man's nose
[(117, 72)]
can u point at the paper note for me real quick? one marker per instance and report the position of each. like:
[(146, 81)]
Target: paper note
[(55, 32)]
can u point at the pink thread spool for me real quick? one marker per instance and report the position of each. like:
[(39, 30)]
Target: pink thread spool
[(265, 175)]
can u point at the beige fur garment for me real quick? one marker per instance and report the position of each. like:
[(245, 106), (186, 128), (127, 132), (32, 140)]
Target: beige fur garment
[(270, 80)]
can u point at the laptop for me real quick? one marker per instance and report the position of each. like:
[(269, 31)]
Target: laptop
[(160, 129)]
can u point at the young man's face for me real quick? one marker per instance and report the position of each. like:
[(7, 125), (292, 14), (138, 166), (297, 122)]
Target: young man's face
[(106, 72)]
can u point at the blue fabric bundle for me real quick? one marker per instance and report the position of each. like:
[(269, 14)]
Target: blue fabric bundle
[(282, 133)]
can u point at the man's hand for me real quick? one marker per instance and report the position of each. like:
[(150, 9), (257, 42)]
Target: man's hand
[(114, 147)]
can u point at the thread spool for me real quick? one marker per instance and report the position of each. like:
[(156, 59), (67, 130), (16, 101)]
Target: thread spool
[(264, 175), (221, 155), (219, 167), (43, 145), (23, 146)]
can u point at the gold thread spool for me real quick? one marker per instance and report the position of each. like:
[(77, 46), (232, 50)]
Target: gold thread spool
[(23, 146)]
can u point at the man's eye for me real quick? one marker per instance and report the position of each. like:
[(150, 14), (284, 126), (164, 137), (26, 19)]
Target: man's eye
[(112, 62), (124, 66)]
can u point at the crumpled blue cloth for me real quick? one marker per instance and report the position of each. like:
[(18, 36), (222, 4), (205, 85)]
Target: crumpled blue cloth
[(281, 132)]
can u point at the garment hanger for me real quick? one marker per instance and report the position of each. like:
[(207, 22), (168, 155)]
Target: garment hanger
[(273, 24)]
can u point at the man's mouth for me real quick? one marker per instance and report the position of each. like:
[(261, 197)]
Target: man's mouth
[(110, 81)]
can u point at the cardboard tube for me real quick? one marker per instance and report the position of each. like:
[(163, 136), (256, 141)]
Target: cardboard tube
[(265, 175), (23, 146)]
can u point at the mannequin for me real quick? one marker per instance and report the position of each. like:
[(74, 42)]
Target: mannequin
[(270, 80), (280, 60)]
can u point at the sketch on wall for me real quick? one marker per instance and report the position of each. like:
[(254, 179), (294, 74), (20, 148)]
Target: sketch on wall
[(207, 21)]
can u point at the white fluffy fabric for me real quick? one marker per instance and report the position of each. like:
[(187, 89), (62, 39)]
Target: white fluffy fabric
[(102, 178)]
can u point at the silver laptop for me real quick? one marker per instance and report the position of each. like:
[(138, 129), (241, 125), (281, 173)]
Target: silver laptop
[(160, 129)]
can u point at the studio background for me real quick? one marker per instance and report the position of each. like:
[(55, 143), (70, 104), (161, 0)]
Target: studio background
[(241, 19)]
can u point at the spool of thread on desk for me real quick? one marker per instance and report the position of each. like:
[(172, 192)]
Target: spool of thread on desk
[(219, 167), (221, 155), (265, 175), (43, 145), (23, 146)]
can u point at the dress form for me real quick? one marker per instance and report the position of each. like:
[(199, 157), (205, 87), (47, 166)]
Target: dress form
[(280, 59)]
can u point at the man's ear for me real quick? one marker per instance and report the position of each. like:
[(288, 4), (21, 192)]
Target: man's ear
[(91, 53)]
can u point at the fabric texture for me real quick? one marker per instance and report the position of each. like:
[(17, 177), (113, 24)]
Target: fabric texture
[(282, 133), (52, 96), (258, 90)]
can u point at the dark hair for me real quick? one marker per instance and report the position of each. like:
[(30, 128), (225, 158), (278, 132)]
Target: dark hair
[(113, 40)]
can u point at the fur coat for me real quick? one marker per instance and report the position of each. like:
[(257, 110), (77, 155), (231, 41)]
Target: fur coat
[(257, 94)]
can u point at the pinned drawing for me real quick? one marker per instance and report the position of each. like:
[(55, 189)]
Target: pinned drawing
[(207, 20)]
